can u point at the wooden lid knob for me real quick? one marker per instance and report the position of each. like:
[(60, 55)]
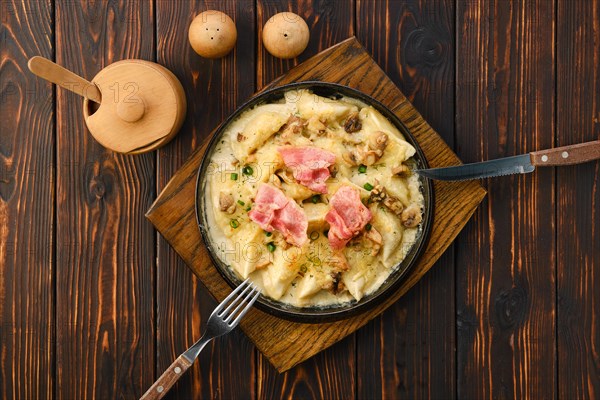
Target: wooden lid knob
[(131, 111)]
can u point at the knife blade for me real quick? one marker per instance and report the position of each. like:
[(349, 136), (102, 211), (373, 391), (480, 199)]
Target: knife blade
[(523, 164), (502, 166)]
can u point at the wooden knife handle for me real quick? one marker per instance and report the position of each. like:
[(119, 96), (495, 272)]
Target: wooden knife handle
[(167, 379), (567, 155)]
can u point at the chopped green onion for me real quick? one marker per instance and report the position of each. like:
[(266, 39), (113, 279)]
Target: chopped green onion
[(234, 223), (368, 227), (315, 199), (314, 235), (241, 203), (248, 208), (368, 186), (247, 170), (269, 234), (234, 176), (271, 247), (303, 268), (362, 168)]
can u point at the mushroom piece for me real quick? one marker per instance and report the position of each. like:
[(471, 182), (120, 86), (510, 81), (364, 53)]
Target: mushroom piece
[(275, 180), (293, 127), (280, 242), (369, 157), (376, 145), (285, 175), (339, 261), (337, 285), (351, 157), (411, 216), (352, 123), (380, 194), (393, 204), (401, 170), (226, 203), (314, 124), (333, 170), (369, 153), (376, 240), (361, 155), (378, 142)]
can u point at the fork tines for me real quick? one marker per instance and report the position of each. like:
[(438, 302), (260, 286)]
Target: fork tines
[(237, 304)]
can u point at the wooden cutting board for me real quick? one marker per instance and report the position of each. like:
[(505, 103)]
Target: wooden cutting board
[(286, 343)]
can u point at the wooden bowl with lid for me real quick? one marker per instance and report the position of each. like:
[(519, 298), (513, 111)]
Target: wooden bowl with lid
[(131, 106)]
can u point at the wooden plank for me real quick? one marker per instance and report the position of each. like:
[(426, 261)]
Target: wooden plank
[(105, 248), (330, 374), (27, 203), (578, 201), (505, 259), (408, 351), (173, 211), (225, 369)]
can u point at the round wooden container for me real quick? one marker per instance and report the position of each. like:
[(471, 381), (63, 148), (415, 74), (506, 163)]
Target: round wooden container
[(143, 106)]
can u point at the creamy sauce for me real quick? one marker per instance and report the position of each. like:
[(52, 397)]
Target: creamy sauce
[(306, 277)]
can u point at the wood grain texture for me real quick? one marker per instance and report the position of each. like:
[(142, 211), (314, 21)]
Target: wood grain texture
[(27, 173), (225, 368), (506, 256), (578, 201), (408, 352), (87, 312), (331, 374), (173, 211), (105, 248)]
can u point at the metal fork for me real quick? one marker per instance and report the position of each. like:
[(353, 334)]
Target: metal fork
[(223, 319)]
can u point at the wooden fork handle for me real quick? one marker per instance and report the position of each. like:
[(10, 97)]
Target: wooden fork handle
[(167, 379), (567, 155)]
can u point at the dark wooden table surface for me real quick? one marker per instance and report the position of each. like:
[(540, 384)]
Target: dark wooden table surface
[(94, 304)]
